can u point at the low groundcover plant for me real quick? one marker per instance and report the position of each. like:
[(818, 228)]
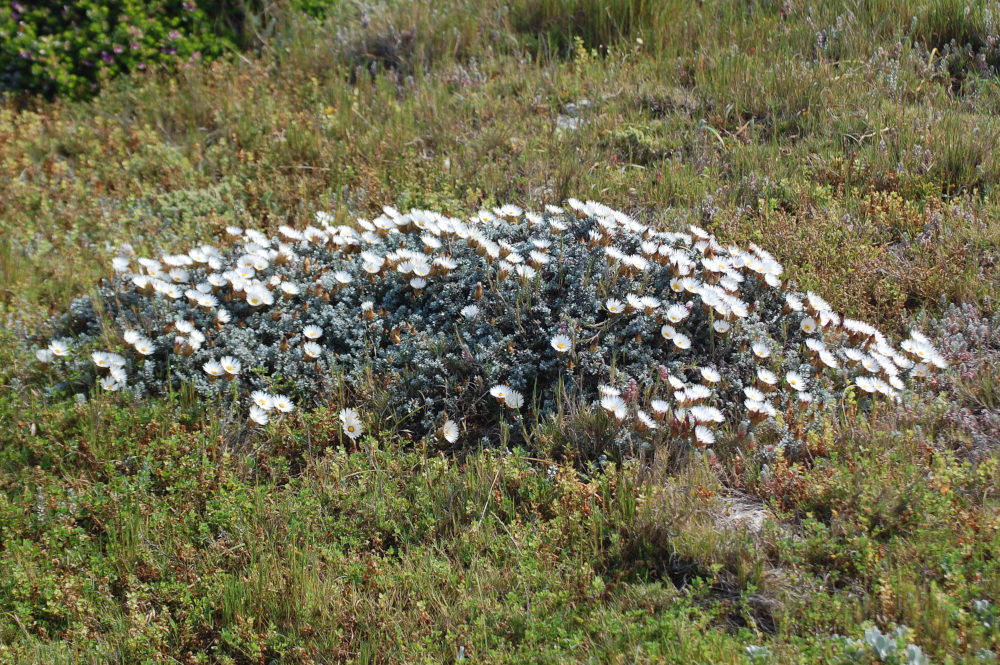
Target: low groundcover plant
[(492, 324)]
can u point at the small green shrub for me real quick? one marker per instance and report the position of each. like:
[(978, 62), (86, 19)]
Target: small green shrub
[(56, 48)]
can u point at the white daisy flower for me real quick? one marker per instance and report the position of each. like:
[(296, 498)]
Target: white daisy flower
[(677, 313), (828, 359), (808, 325), (561, 343), (704, 435), (449, 431), (101, 359), (938, 360), (262, 400), (761, 349), (350, 423), (538, 258), (514, 399), (815, 345), (230, 365), (682, 341), (659, 406), (615, 405), (144, 347), (866, 383), (608, 391), (853, 355), (645, 420), (500, 391), (766, 377), (213, 369), (109, 383), (793, 302), (795, 381), (614, 306), (258, 415), (312, 350), (526, 273), (697, 392), (312, 332), (59, 348), (720, 326), (706, 414), (710, 374), (282, 403)]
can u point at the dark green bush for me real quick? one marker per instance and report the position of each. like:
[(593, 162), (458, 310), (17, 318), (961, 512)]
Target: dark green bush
[(53, 47)]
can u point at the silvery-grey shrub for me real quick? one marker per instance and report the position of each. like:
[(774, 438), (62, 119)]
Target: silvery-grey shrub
[(426, 317)]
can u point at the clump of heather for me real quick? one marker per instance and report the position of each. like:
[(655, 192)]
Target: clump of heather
[(463, 328)]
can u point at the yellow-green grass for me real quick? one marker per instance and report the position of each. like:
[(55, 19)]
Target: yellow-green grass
[(165, 532)]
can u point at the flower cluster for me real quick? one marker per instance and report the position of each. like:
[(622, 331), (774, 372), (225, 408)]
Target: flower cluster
[(671, 333)]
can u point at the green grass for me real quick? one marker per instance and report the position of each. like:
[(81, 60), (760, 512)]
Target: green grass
[(864, 160)]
